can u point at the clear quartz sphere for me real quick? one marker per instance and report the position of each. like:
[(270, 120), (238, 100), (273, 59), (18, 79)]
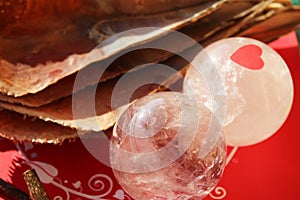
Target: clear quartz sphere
[(257, 87), (166, 146)]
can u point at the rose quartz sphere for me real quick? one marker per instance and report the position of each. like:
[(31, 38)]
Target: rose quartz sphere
[(165, 146), (257, 87)]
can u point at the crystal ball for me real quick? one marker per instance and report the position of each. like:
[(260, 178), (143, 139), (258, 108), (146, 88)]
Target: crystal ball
[(257, 87), (167, 146)]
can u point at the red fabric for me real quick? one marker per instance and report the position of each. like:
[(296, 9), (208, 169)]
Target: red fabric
[(268, 170)]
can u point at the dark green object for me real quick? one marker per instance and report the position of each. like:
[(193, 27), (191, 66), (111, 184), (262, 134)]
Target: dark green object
[(298, 36), (297, 2)]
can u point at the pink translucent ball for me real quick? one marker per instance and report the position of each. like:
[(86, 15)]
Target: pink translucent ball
[(257, 87), (164, 146)]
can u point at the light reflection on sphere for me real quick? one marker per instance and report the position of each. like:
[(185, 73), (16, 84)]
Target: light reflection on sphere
[(187, 148)]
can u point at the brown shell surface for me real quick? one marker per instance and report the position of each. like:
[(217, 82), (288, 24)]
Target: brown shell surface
[(41, 48), (199, 31), (18, 127), (39, 63), (61, 111)]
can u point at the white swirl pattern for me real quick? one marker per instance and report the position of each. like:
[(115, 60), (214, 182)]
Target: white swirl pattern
[(220, 193), (97, 182)]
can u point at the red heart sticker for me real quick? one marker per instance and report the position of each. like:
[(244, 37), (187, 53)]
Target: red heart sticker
[(248, 56)]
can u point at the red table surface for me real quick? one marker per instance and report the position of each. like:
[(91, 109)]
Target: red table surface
[(268, 170)]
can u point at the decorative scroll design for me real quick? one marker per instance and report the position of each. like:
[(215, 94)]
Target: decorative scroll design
[(100, 183), (218, 193)]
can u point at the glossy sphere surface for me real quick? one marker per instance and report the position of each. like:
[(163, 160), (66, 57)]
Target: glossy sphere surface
[(165, 147), (258, 88)]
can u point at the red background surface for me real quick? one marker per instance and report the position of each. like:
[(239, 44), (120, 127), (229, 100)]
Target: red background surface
[(268, 170)]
